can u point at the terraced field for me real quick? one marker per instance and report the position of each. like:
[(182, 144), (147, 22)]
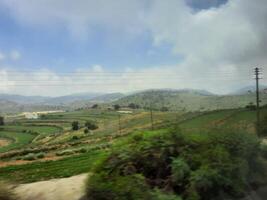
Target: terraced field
[(70, 156), (18, 140)]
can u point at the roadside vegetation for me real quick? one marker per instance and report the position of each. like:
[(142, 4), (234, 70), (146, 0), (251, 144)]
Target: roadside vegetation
[(196, 166), (188, 156)]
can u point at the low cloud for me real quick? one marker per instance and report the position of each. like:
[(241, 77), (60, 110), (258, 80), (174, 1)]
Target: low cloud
[(15, 55), (2, 56), (220, 45)]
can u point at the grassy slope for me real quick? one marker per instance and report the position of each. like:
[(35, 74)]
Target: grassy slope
[(51, 169), (191, 101), (82, 163), (19, 140)]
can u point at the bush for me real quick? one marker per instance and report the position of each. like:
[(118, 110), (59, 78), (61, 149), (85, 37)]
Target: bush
[(65, 152), (40, 155), (86, 131), (75, 125), (91, 125), (119, 188), (29, 156), (263, 126), (75, 137), (195, 166)]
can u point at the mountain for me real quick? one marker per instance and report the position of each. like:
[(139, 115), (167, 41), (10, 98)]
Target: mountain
[(68, 99), (190, 100), (23, 99), (248, 89), (107, 98), (18, 103)]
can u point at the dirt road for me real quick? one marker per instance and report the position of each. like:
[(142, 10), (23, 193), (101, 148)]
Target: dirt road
[(56, 189)]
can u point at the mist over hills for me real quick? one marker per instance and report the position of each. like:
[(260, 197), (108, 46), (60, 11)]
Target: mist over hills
[(172, 99)]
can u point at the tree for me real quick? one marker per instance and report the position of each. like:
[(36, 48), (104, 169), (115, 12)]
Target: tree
[(164, 109), (263, 126), (251, 106), (94, 106), (116, 107), (75, 125), (90, 125), (2, 121), (133, 106)]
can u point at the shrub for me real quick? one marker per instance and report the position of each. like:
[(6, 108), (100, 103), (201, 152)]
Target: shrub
[(180, 170), (195, 166), (29, 156), (264, 150), (40, 155), (86, 131), (82, 150), (120, 187), (75, 125), (65, 152), (91, 125), (75, 137), (263, 126)]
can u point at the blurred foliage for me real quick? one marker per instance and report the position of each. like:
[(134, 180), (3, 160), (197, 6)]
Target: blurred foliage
[(194, 166)]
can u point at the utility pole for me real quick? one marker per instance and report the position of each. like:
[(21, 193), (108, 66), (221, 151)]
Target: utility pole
[(257, 73), (151, 117), (119, 123)]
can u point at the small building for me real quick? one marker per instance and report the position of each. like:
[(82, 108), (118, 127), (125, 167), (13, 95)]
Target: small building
[(31, 115), (125, 111)]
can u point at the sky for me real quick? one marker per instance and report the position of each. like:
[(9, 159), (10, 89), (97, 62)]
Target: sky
[(59, 47)]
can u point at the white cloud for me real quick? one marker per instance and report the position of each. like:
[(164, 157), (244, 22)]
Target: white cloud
[(212, 40), (2, 56), (80, 17), (15, 55), (220, 46)]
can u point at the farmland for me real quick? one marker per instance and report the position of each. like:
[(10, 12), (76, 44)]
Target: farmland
[(52, 135)]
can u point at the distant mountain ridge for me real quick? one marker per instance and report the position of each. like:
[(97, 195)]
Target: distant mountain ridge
[(173, 99), (248, 89)]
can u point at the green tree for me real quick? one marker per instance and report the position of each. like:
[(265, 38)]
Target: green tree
[(94, 106), (2, 121), (263, 125), (75, 125), (90, 125), (116, 107)]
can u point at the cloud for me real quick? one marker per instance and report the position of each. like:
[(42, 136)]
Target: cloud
[(15, 55), (79, 17), (220, 45), (210, 40), (2, 56)]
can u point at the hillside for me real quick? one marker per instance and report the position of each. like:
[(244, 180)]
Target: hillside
[(190, 100)]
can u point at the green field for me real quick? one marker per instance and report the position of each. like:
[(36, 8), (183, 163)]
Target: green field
[(18, 139), (108, 126)]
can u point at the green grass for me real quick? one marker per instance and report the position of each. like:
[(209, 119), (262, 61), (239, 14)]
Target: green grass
[(51, 169), (43, 130), (19, 140), (108, 125)]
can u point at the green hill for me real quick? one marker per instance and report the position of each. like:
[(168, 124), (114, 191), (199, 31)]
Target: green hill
[(189, 100)]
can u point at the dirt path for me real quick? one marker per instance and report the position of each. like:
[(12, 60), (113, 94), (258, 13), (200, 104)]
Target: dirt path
[(4, 142), (56, 189)]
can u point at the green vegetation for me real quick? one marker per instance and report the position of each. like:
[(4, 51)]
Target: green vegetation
[(90, 125), (212, 153), (52, 169), (75, 125), (195, 166), (18, 140), (189, 100)]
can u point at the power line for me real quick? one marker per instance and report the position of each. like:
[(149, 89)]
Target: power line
[(257, 73)]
